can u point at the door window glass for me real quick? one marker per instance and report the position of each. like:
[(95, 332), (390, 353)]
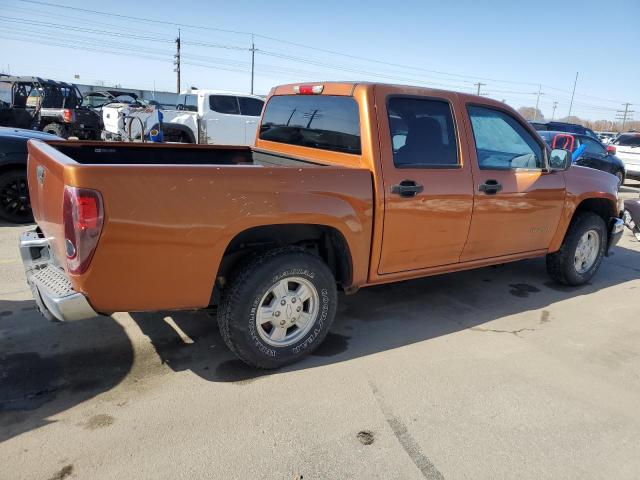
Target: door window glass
[(250, 106), (422, 133), (502, 143), (593, 147), (224, 104)]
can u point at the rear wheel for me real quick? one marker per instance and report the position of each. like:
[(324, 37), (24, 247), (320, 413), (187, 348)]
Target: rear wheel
[(620, 176), (581, 252), (278, 308), (14, 197), (56, 129)]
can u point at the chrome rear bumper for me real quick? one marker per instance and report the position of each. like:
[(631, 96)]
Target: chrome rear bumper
[(49, 283)]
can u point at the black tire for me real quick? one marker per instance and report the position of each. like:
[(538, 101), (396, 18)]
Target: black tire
[(56, 129), (561, 265), (14, 197), (241, 302)]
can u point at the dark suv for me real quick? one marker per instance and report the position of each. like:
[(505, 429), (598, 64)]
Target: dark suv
[(54, 107), (565, 127)]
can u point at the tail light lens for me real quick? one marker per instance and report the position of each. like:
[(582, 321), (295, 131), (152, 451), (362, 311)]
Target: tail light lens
[(68, 115), (611, 150), (83, 214)]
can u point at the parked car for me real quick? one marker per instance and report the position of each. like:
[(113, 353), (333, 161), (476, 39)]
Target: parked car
[(49, 106), (627, 147), (565, 127), (206, 116), (606, 137), (349, 185), (594, 155), (14, 194)]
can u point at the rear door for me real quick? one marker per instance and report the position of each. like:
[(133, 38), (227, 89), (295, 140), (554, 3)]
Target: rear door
[(427, 180), (517, 205), (225, 125), (250, 110)]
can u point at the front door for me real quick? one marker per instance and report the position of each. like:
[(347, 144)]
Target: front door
[(225, 125), (517, 205), (427, 181)]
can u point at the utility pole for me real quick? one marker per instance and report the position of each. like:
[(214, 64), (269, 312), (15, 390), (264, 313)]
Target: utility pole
[(624, 115), (253, 56), (176, 62), (535, 113), (479, 85), (572, 95), (553, 115)]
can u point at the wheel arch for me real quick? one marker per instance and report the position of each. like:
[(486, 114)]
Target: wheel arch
[(323, 240), (602, 206), (177, 127)]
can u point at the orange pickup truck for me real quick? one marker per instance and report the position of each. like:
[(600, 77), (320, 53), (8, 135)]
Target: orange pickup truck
[(348, 185)]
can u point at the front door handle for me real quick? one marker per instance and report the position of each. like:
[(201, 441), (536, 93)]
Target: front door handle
[(407, 189), (490, 187)]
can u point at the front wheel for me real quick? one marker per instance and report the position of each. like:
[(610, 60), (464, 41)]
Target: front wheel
[(278, 308), (581, 252)]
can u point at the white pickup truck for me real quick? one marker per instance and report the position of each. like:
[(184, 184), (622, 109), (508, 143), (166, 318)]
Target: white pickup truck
[(203, 116), (627, 147)]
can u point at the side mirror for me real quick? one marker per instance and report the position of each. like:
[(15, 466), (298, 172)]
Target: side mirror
[(611, 150), (559, 159)]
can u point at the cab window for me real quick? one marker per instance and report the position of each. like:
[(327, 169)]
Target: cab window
[(224, 104), (250, 106), (503, 143), (422, 133)]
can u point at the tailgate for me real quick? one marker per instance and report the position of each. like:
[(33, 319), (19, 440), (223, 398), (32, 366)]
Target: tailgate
[(46, 170)]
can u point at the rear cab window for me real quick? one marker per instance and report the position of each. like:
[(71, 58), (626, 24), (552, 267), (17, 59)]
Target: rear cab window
[(326, 122)]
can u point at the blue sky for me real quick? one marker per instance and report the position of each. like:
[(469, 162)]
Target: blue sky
[(511, 46)]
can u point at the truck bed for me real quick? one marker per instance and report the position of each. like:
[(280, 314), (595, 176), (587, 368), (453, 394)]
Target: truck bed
[(121, 153), (170, 211)]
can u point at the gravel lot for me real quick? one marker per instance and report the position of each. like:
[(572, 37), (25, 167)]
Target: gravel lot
[(492, 373)]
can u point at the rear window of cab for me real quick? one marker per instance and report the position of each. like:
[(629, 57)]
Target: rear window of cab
[(325, 122)]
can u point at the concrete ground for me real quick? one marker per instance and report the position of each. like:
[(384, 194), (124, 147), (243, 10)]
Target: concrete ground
[(492, 373)]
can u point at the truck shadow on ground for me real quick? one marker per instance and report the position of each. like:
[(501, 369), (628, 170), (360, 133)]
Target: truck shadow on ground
[(391, 316), (47, 368)]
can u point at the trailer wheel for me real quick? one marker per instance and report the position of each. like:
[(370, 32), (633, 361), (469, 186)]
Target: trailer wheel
[(56, 129), (278, 307)]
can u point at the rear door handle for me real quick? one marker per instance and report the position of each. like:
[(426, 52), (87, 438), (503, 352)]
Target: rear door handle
[(407, 188), (490, 187)]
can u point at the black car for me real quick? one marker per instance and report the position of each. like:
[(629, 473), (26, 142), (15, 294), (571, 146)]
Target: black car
[(565, 127), (14, 194), (595, 155)]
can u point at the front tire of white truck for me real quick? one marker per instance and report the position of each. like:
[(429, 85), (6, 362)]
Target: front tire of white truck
[(278, 307)]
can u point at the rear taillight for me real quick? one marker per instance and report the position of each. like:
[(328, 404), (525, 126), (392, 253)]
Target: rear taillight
[(308, 89), (68, 115), (83, 215), (611, 150)]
